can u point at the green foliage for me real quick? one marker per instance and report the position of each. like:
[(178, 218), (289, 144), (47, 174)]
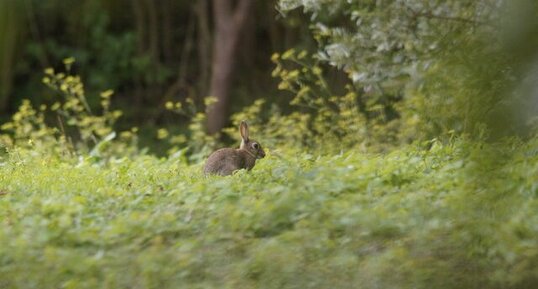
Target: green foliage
[(379, 42), (414, 218), (81, 206), (199, 143), (147, 52), (323, 118), (69, 125), (105, 47), (437, 67)]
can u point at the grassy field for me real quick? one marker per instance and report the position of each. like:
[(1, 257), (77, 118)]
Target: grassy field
[(461, 215)]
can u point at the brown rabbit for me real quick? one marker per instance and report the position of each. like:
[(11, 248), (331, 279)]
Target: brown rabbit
[(227, 160)]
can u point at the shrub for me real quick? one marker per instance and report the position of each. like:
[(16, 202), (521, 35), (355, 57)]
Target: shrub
[(68, 126)]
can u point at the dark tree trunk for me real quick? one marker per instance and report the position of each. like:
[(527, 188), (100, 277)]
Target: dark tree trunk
[(229, 22), (204, 45)]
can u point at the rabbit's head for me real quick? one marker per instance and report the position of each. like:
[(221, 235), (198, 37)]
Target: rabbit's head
[(253, 147)]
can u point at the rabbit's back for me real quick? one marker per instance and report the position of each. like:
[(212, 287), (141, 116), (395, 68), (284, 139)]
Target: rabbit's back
[(223, 162)]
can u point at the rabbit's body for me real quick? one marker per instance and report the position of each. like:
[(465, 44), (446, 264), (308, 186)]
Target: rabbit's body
[(227, 160)]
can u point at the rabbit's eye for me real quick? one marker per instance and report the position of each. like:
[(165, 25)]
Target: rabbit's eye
[(255, 145)]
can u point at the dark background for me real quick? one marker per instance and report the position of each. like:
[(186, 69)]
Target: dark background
[(148, 52)]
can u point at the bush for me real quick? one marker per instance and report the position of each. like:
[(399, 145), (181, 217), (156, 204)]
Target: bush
[(421, 69), (69, 126)]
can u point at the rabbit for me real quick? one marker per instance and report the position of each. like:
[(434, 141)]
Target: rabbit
[(225, 161)]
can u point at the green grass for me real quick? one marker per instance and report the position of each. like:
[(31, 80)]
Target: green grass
[(455, 216)]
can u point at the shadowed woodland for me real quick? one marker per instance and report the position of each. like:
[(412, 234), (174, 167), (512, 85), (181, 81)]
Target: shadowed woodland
[(148, 52)]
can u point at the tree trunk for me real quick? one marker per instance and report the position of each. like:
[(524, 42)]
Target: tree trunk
[(204, 45), (228, 24)]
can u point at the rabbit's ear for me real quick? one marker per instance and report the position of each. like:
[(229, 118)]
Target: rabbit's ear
[(243, 128)]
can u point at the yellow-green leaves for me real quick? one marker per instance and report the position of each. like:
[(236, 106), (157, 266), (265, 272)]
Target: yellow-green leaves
[(69, 124), (162, 133), (68, 62), (344, 219), (199, 142)]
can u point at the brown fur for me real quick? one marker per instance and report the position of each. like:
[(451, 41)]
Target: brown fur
[(225, 161)]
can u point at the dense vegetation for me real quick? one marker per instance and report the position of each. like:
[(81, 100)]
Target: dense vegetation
[(402, 152), (148, 52), (413, 218)]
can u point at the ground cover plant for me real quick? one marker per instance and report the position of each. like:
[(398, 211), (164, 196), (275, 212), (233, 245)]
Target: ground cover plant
[(456, 215)]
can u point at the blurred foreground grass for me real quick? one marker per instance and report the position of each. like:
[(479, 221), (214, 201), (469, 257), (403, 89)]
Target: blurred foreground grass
[(462, 215)]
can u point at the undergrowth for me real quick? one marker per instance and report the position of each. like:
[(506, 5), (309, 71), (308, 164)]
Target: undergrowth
[(414, 218), (81, 206)]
